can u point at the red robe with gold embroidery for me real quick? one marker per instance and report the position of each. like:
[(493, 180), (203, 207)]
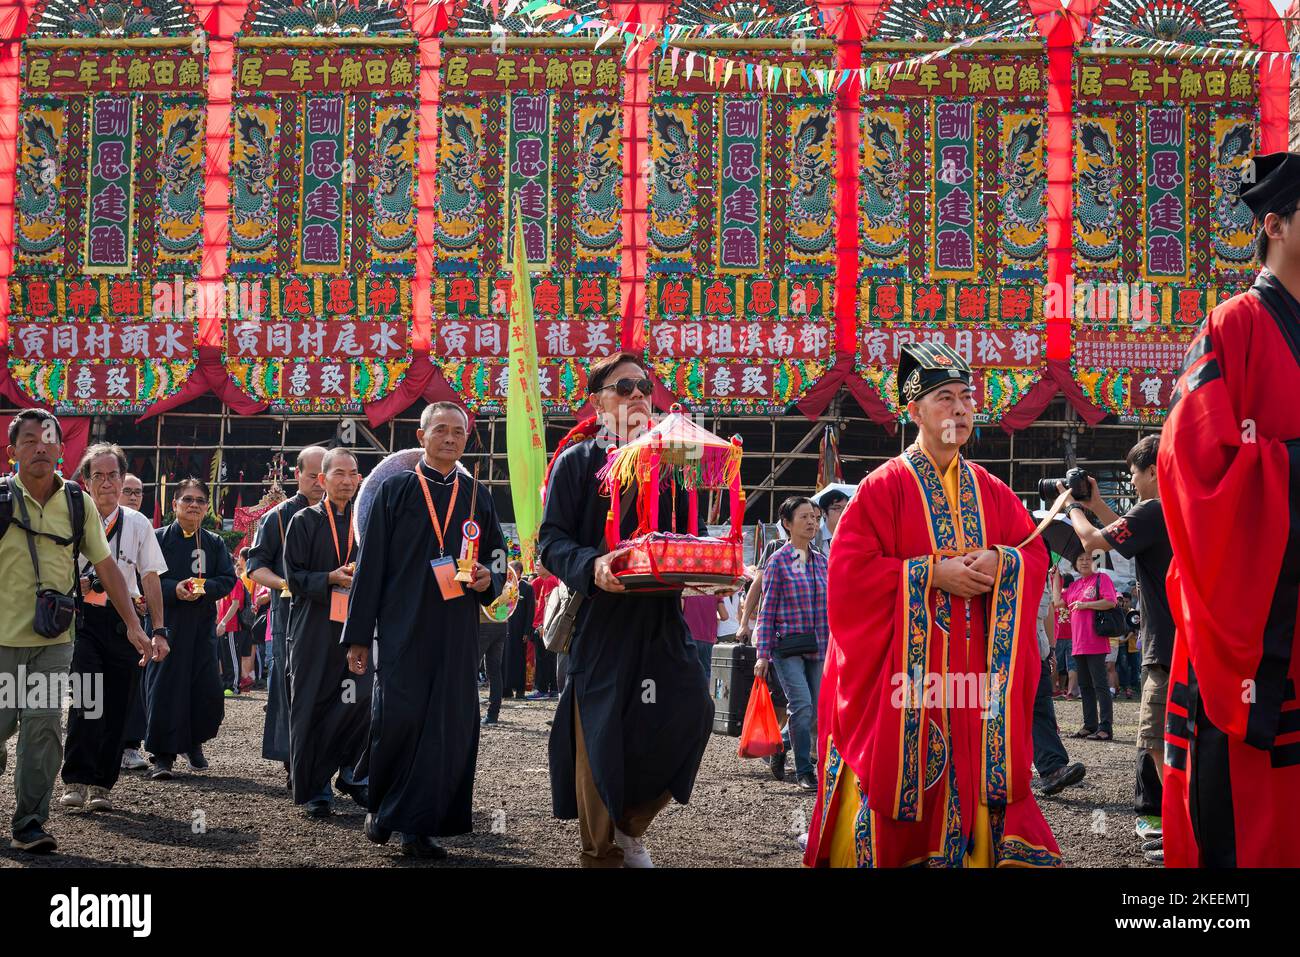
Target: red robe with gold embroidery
[(926, 763), (1229, 472)]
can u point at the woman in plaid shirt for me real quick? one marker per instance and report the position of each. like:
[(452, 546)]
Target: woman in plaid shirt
[(792, 629)]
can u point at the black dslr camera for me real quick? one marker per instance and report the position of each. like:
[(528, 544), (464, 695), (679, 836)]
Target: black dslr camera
[(93, 582), (1076, 480)]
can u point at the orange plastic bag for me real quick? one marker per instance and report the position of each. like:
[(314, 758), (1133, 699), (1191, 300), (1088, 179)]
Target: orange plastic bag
[(760, 735)]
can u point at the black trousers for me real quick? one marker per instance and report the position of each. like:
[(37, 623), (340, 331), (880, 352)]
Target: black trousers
[(93, 752), (1049, 752), (514, 665), (493, 648), (1094, 686), (544, 667)]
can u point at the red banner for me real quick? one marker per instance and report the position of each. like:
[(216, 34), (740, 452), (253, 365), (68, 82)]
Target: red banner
[(102, 340), (73, 72), (556, 338), (260, 70), (769, 340), (981, 348), (1151, 390), (1129, 80), (532, 73), (92, 381), (303, 381), (316, 339), (1122, 350)]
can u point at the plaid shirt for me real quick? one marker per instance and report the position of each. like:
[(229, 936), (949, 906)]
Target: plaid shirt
[(794, 600)]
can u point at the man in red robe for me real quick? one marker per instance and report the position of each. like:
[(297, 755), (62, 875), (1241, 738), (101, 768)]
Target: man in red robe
[(926, 708), (1229, 469)]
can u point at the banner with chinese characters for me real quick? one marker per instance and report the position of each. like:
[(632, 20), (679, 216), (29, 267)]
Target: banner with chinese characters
[(741, 232), (1160, 234), (541, 129), (108, 218), (323, 157), (952, 219)]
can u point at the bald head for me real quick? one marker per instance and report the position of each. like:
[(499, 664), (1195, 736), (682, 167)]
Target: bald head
[(308, 473)]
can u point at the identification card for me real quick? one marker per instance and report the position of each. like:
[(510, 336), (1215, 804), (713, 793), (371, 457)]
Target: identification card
[(339, 604), (444, 570)]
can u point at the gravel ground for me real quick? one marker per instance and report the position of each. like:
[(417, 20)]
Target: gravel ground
[(239, 813)]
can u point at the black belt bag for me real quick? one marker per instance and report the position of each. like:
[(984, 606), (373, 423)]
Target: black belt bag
[(801, 643), (55, 612)]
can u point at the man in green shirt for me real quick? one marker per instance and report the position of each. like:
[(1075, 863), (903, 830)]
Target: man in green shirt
[(33, 668)]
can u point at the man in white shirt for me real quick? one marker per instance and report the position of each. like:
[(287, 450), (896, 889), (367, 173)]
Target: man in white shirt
[(93, 753)]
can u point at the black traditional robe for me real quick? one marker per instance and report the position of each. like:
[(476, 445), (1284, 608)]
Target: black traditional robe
[(633, 672), (329, 708), (514, 665), (425, 710), (268, 552), (184, 701)]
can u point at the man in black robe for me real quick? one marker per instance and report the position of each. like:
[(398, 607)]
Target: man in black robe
[(184, 701), (515, 665), (635, 714), (424, 714), (266, 567), (329, 708)]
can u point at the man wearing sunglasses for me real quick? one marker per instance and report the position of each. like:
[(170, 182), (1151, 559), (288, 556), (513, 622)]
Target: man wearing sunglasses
[(635, 713)]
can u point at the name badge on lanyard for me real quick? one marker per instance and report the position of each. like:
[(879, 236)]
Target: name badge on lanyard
[(443, 567)]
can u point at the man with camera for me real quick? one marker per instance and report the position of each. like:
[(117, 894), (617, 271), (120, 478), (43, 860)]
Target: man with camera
[(93, 754), (44, 523), (1140, 535)]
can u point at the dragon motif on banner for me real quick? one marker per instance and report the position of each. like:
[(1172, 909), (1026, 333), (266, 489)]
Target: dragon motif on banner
[(599, 192), (1097, 198), (143, 18), (38, 230), (460, 183), (811, 223), (252, 173), (180, 228), (1023, 199), (884, 192), (393, 230), (672, 199), (1232, 218)]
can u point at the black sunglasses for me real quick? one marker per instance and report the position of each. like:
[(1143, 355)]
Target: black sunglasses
[(625, 387)]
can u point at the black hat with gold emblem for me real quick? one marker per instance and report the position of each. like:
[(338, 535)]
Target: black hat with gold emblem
[(924, 366), (1270, 183)]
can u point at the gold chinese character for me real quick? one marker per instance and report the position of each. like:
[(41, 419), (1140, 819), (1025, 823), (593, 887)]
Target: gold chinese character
[(929, 76), (530, 71), (1029, 79), (606, 73), (326, 69), (88, 72), (1139, 81), (880, 79), (557, 74), (456, 75), (250, 71), (300, 72), (1189, 84), (952, 75), (376, 72), (399, 72), (667, 79), (113, 71), (1243, 84), (1216, 82), (38, 73), (188, 75), (1090, 81), (350, 73), (164, 72), (1166, 80), (580, 70), (1004, 77), (506, 72), (978, 82)]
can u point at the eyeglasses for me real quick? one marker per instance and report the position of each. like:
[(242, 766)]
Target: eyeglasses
[(105, 476), (133, 493), (625, 387), (191, 500)]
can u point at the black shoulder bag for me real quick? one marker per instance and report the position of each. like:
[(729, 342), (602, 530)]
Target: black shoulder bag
[(1108, 622), (557, 633), (55, 610)]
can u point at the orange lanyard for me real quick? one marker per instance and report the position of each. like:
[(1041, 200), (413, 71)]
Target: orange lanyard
[(433, 514), (334, 534)]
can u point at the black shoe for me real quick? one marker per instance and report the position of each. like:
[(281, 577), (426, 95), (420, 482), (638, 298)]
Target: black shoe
[(423, 848), (198, 762), (1062, 778), (777, 763), (33, 840), (318, 808), (490, 719), (160, 770), (358, 792), (806, 782), (374, 833)]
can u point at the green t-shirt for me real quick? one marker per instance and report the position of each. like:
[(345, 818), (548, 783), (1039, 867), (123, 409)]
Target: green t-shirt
[(18, 585)]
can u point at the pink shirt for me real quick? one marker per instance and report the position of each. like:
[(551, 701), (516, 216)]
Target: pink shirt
[(1083, 632)]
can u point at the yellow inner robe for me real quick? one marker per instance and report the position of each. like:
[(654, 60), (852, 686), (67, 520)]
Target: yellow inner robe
[(843, 851)]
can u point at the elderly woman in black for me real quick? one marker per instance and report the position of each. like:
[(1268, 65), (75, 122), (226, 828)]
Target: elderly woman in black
[(635, 714)]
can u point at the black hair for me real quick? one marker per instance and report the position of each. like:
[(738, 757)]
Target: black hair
[(1261, 237), (600, 371), (32, 415), (1143, 455), (791, 505), (191, 482)]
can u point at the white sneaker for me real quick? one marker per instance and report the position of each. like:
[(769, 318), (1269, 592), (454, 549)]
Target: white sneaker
[(98, 799), (133, 760), (634, 852), (74, 796)]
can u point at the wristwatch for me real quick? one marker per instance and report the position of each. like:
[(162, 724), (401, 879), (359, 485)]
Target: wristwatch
[(1074, 505), (161, 632)]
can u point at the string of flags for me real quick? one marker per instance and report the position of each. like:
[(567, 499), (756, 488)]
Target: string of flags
[(1240, 56)]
